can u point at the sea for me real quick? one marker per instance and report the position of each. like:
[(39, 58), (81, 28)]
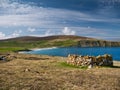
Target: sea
[(92, 51)]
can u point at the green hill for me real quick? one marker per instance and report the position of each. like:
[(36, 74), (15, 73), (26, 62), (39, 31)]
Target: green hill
[(28, 42)]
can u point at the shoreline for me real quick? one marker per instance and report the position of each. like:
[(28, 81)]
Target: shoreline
[(36, 49)]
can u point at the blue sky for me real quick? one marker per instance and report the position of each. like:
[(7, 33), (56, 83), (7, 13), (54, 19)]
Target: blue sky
[(91, 18)]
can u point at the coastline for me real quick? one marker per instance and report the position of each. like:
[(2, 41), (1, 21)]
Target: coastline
[(36, 49)]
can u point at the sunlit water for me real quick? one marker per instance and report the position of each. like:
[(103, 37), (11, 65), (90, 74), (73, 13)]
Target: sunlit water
[(114, 51)]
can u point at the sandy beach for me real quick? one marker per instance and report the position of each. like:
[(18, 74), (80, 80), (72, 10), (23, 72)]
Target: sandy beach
[(42, 72)]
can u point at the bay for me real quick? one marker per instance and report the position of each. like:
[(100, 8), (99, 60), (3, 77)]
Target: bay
[(94, 51)]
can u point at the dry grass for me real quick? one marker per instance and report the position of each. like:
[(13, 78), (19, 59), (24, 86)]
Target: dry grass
[(38, 72)]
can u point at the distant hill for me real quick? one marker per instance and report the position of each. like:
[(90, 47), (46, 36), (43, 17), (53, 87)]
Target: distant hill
[(62, 37), (28, 42)]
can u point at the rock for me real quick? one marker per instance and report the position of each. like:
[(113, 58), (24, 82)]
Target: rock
[(90, 66), (27, 70), (72, 59), (90, 61), (2, 58)]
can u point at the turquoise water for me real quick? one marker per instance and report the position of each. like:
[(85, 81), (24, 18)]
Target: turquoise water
[(114, 51)]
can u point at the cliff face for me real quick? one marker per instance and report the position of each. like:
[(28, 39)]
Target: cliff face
[(97, 43)]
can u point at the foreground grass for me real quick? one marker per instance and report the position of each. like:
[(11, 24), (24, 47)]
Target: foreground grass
[(38, 72)]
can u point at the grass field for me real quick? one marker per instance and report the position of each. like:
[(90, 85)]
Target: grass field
[(39, 72)]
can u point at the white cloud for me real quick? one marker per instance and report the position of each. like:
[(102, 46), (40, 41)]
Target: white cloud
[(4, 3), (48, 33), (67, 31), (16, 14), (109, 2), (16, 33), (31, 29), (12, 7), (2, 35)]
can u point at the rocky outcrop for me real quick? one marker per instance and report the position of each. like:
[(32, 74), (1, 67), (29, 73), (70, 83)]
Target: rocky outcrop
[(97, 43), (7, 57), (2, 58), (90, 61)]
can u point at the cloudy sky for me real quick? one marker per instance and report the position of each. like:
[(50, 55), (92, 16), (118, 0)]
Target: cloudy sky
[(91, 18)]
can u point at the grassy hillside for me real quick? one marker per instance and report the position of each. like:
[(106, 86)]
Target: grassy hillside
[(39, 72), (25, 43)]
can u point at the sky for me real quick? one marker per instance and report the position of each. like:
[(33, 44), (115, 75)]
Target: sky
[(90, 18)]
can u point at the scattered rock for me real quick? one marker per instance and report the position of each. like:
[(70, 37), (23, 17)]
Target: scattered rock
[(27, 70)]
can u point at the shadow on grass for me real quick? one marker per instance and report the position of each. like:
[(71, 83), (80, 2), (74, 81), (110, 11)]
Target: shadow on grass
[(35, 58), (110, 66), (115, 67), (5, 61), (64, 64)]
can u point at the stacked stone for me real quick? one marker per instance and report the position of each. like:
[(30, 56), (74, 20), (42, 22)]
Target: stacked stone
[(104, 60), (90, 61)]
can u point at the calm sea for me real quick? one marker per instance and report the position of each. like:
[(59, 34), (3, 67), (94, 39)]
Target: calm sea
[(114, 51)]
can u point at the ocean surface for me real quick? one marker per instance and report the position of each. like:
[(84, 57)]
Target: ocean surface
[(114, 51)]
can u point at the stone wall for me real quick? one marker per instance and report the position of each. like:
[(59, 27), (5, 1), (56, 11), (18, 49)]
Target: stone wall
[(90, 61)]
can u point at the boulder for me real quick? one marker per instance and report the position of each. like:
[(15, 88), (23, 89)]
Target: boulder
[(2, 57), (7, 57)]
